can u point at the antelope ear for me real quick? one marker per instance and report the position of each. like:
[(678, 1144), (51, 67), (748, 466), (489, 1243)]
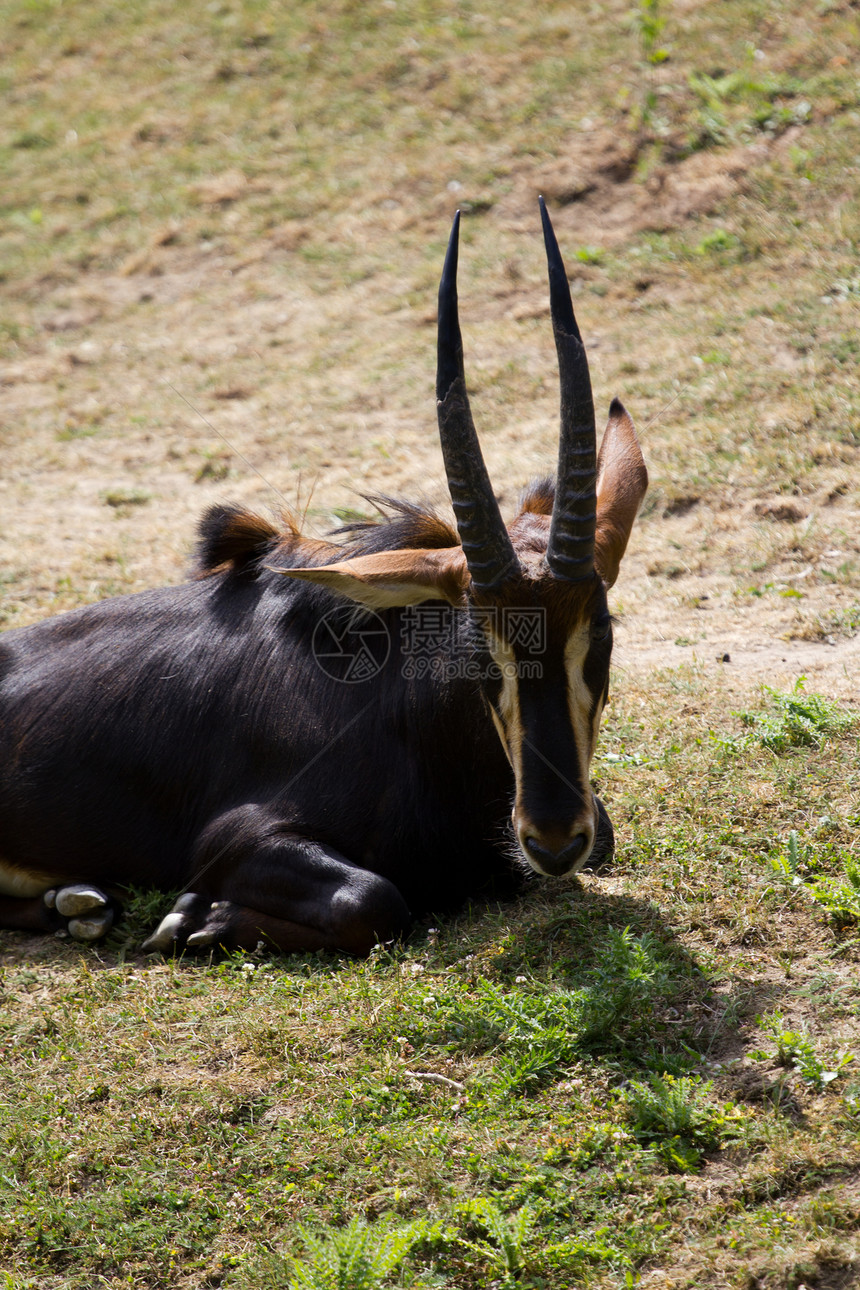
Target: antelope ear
[(392, 578), (622, 480)]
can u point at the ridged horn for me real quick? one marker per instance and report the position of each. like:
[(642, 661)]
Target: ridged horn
[(489, 553), (570, 550)]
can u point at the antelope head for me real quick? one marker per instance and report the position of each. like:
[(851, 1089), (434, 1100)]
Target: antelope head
[(551, 567)]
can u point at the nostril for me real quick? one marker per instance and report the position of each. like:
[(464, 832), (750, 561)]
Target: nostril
[(535, 850), (555, 862), (574, 849)]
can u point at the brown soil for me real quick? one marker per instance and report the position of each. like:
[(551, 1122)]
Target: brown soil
[(191, 377)]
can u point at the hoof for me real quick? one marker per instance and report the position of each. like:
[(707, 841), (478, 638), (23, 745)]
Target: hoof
[(78, 899), (166, 937), (194, 923), (172, 933), (201, 940), (92, 928), (87, 913)]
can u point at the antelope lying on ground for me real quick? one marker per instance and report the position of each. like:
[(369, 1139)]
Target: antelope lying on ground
[(318, 742)]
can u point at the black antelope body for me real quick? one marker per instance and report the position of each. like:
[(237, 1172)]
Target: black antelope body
[(268, 738)]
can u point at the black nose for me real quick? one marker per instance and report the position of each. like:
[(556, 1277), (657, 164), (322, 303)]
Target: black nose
[(556, 863)]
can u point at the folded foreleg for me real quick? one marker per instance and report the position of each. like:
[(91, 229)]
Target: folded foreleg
[(258, 882)]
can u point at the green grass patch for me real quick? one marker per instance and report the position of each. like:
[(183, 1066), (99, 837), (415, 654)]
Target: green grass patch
[(679, 1116), (795, 720), (521, 1094)]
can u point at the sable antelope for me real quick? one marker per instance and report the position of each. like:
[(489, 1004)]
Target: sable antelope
[(206, 737)]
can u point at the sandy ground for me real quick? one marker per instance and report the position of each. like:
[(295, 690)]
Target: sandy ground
[(137, 398)]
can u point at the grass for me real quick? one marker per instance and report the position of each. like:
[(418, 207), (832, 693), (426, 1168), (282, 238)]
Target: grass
[(260, 1121), (641, 1075), (359, 1257), (796, 720)]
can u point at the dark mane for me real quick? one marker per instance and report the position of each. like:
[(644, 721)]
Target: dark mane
[(235, 539), (401, 526), (538, 496), (231, 537)]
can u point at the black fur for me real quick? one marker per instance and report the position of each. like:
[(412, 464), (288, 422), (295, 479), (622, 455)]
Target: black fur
[(401, 526), (129, 726), (191, 737)]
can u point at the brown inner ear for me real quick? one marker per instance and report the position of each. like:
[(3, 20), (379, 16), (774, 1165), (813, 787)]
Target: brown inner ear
[(622, 480), (390, 578)]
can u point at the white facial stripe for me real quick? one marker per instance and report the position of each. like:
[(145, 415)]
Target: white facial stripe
[(580, 699), (502, 733), (580, 702), (509, 700)]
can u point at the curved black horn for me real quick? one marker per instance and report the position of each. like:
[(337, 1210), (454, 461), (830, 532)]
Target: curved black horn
[(570, 551), (489, 553)]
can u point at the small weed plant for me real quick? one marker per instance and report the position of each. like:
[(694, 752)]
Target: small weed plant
[(737, 105), (506, 1240), (360, 1256), (797, 867), (840, 896), (679, 1117), (537, 1036), (796, 720), (509, 1246), (796, 1050), (650, 24), (792, 862)]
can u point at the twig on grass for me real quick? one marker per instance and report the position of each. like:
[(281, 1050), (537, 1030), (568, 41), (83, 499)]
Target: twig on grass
[(430, 1077)]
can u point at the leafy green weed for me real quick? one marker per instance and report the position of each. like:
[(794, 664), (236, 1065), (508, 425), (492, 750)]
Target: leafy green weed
[(797, 719), (679, 1116)]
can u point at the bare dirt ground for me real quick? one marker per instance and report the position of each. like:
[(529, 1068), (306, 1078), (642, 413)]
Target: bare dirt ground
[(188, 377)]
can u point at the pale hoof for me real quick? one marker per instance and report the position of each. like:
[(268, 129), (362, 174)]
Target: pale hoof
[(80, 898), (167, 935), (170, 935), (92, 928), (87, 911), (203, 939)]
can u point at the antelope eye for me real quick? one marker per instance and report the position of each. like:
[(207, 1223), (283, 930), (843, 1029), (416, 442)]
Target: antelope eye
[(601, 628)]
